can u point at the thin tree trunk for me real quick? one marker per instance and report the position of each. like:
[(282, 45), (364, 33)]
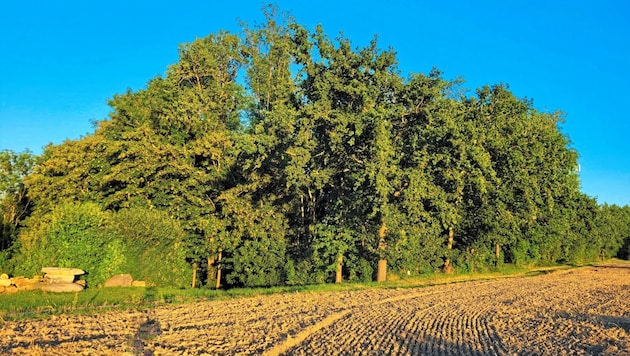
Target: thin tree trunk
[(218, 283), (497, 252), (447, 268), (449, 245), (338, 274), (381, 272), (212, 270), (194, 274)]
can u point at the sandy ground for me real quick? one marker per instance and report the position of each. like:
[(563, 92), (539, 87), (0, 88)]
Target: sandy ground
[(583, 311)]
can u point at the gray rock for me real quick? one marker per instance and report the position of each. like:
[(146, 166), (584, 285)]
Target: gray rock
[(119, 280), (58, 278), (62, 287)]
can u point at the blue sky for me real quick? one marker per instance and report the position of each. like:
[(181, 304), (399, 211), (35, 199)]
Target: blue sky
[(62, 60)]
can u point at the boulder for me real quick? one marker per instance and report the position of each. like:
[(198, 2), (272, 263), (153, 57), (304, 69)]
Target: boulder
[(5, 282), (59, 278), (119, 280), (63, 270), (62, 287)]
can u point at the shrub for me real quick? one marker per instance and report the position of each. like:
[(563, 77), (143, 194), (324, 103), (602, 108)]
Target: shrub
[(153, 244), (360, 269), (257, 263), (71, 235), (303, 273)]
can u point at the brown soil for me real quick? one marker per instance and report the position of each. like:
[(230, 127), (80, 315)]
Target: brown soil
[(577, 312)]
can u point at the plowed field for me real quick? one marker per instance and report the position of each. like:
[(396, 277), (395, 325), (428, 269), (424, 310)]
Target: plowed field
[(572, 312)]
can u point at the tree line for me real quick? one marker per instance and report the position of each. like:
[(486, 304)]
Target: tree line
[(281, 156)]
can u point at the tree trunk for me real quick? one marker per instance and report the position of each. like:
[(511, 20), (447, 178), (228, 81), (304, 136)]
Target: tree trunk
[(194, 274), (451, 235), (212, 271), (381, 272), (218, 283), (497, 252), (447, 268), (338, 274)]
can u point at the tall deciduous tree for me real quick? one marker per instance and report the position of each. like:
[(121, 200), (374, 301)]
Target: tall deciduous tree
[(450, 147)]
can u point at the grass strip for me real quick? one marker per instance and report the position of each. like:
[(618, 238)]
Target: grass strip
[(38, 304)]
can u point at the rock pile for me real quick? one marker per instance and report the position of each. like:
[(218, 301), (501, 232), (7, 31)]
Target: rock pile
[(15, 284), (58, 279), (55, 279)]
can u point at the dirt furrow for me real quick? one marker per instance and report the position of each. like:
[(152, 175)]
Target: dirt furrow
[(414, 321)]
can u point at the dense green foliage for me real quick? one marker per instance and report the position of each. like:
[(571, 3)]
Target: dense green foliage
[(145, 243), (153, 246), (280, 156), (71, 235)]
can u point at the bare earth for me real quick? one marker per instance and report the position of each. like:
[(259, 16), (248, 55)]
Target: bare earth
[(583, 311)]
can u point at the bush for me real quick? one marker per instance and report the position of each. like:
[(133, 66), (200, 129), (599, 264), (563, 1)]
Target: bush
[(303, 273), (72, 235), (153, 246), (360, 270), (144, 243), (416, 250), (257, 263)]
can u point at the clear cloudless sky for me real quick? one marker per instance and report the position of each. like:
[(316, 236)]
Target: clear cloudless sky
[(60, 61)]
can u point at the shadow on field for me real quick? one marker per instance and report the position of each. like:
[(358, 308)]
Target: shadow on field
[(9, 349), (596, 267), (539, 272), (614, 321)]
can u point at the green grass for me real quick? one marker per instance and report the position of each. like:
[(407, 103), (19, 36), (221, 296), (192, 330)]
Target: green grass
[(38, 304)]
